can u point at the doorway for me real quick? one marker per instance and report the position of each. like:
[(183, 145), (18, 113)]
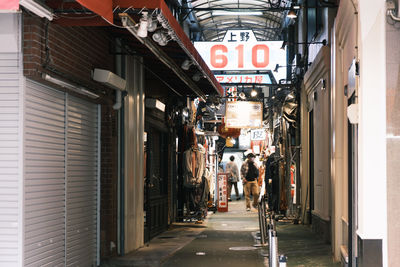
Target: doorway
[(352, 187), (156, 184)]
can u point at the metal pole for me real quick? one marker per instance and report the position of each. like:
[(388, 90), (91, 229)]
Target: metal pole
[(282, 261), (273, 256), (270, 246), (261, 222), (265, 216)]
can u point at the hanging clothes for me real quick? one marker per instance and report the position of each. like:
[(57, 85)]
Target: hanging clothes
[(194, 164), (272, 182)]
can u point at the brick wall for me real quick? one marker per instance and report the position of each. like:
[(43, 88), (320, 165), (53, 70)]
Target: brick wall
[(73, 52), (109, 156)]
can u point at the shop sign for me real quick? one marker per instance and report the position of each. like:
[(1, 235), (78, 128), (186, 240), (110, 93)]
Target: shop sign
[(244, 141), (240, 50), (258, 135), (222, 192), (250, 78), (243, 114)]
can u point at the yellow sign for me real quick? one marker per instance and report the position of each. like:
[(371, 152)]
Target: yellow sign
[(243, 114)]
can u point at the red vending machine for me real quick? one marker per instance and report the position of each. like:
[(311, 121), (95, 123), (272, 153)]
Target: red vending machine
[(222, 192)]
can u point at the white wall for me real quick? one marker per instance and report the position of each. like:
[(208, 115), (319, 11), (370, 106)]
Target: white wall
[(393, 140), (372, 127), (343, 53)]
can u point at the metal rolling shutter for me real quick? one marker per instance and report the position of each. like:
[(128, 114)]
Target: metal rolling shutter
[(82, 153), (61, 153), (10, 165), (44, 182)]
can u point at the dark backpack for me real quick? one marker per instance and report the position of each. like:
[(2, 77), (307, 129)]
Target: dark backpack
[(252, 172)]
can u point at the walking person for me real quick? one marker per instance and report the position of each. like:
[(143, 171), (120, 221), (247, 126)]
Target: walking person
[(233, 177), (249, 173)]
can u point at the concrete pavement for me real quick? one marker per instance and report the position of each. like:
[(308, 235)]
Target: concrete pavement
[(227, 239)]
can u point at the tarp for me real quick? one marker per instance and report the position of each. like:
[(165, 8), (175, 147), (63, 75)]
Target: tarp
[(104, 7)]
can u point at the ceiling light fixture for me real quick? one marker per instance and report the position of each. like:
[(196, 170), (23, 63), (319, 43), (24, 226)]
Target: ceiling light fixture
[(236, 13), (197, 76), (78, 89), (152, 25), (152, 22), (37, 9), (242, 96), (142, 31), (157, 36), (162, 38), (186, 64), (253, 93)]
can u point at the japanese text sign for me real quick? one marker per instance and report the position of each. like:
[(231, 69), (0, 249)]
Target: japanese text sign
[(249, 78), (222, 192), (258, 135), (240, 50)]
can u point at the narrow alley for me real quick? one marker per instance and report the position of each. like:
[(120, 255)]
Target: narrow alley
[(228, 239), (185, 133)]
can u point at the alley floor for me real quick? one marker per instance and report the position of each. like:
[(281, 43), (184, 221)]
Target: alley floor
[(227, 239)]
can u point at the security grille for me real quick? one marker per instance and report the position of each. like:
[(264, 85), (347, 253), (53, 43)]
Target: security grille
[(60, 178)]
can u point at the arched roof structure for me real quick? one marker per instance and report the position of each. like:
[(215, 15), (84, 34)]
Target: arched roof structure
[(265, 17)]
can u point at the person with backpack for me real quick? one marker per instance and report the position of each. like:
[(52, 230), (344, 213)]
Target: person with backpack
[(249, 173)]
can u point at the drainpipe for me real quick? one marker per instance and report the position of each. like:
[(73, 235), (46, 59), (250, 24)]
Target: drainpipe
[(118, 100)]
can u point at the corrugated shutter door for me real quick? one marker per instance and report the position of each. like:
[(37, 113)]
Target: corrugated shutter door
[(44, 183), (60, 178), (82, 153), (9, 160)]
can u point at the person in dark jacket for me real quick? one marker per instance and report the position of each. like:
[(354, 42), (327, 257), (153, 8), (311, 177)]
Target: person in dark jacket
[(249, 173)]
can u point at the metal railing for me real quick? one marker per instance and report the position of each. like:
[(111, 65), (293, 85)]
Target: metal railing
[(268, 233)]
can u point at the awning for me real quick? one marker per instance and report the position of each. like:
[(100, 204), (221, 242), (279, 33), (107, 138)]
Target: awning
[(10, 5), (172, 55)]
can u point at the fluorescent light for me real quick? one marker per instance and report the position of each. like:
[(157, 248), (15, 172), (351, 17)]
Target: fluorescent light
[(78, 89), (236, 13), (37, 9)]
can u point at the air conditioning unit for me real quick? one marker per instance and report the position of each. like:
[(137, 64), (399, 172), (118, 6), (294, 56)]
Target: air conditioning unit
[(110, 79)]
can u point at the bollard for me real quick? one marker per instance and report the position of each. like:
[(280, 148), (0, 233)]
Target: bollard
[(265, 216), (274, 250), (282, 261), (261, 221)]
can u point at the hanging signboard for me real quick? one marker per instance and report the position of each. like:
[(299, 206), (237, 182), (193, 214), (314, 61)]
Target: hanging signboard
[(240, 50), (258, 135), (243, 114)]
